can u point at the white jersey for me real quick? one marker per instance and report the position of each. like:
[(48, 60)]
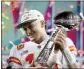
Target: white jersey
[(24, 55)]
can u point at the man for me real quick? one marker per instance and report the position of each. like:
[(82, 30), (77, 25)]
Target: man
[(25, 54)]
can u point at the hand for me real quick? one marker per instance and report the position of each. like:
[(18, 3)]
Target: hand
[(38, 66), (59, 41)]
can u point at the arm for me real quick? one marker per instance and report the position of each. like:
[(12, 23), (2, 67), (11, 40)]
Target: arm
[(71, 58), (70, 53), (13, 60), (60, 44)]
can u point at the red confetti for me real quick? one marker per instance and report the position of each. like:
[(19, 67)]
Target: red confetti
[(2, 49), (70, 6), (59, 9)]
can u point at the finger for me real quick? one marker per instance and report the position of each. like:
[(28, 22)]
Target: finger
[(60, 40), (58, 44), (61, 30), (59, 37), (60, 33)]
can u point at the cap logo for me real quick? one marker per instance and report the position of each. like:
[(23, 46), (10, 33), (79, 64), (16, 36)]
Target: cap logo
[(29, 14), (25, 17)]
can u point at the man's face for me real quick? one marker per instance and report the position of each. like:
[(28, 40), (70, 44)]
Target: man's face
[(33, 30)]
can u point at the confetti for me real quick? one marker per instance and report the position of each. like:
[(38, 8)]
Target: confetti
[(7, 3), (25, 9), (20, 12), (70, 6), (77, 28), (4, 15), (2, 23), (59, 9), (51, 3), (3, 27), (2, 49), (3, 2), (6, 48), (5, 8)]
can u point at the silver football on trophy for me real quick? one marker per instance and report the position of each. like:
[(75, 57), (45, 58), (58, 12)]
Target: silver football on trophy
[(68, 19)]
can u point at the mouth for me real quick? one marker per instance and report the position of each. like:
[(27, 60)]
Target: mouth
[(31, 38)]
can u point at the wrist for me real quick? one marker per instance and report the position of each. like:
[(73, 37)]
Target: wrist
[(69, 56)]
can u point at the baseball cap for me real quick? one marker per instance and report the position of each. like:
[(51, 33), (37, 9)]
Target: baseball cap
[(30, 16)]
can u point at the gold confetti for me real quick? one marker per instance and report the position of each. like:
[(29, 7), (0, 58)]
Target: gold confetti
[(7, 3), (4, 15), (3, 27)]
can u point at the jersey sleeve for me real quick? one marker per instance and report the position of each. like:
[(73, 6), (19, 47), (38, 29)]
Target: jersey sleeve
[(71, 46), (14, 58)]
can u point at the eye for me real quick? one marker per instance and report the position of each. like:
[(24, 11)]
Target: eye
[(25, 29), (30, 26)]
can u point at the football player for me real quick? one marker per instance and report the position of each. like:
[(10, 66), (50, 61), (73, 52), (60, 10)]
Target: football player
[(63, 54)]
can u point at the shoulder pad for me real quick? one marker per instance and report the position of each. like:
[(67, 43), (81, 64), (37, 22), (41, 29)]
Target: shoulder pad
[(20, 46)]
